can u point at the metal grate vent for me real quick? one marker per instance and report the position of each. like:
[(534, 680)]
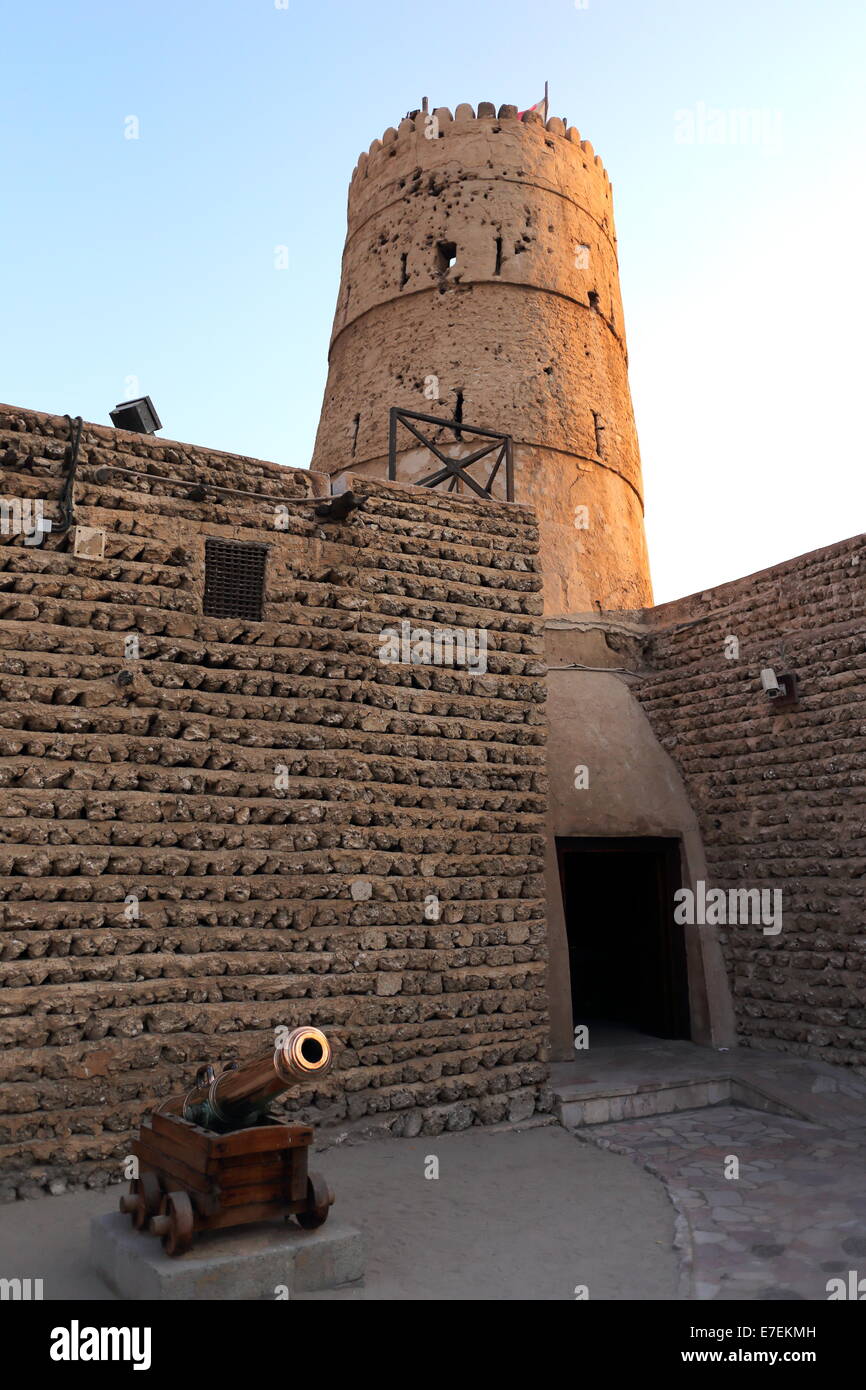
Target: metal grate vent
[(234, 579)]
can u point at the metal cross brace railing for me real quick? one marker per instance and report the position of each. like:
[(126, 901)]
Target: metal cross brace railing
[(454, 469)]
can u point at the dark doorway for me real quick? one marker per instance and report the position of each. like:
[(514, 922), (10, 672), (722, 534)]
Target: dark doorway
[(627, 955)]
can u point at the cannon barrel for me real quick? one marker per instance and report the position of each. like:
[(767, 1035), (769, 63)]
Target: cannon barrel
[(240, 1094)]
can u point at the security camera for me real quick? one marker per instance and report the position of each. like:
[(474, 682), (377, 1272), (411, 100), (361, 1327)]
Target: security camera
[(770, 683)]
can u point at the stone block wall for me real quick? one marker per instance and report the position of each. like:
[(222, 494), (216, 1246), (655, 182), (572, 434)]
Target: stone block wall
[(780, 796), (257, 824)]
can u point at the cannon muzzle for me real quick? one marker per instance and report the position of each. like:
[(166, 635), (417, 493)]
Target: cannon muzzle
[(241, 1094)]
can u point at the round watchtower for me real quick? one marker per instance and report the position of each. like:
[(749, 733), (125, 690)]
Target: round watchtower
[(480, 283)]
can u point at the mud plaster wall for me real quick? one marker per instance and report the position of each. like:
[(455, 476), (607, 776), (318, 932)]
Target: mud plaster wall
[(409, 780), (634, 789), (780, 797), (523, 333)]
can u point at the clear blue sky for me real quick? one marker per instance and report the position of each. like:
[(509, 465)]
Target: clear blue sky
[(742, 261)]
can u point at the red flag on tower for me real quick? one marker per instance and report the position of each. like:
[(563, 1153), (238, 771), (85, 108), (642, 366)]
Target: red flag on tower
[(540, 107)]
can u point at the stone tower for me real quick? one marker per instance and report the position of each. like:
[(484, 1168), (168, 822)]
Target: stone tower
[(480, 282)]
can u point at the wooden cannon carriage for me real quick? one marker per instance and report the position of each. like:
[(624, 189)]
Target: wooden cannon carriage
[(215, 1158)]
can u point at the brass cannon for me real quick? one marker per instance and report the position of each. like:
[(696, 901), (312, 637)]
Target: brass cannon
[(213, 1157)]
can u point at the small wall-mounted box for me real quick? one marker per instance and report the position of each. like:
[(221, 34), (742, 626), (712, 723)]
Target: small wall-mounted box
[(88, 543), (139, 416), (781, 690)]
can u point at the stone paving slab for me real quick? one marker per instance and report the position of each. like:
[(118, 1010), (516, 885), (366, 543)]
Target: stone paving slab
[(794, 1218)]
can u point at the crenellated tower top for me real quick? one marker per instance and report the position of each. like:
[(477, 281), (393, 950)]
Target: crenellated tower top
[(438, 123)]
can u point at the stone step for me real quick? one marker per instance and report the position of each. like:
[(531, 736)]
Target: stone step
[(598, 1104)]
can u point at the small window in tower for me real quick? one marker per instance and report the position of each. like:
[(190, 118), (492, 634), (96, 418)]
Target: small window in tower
[(234, 579), (593, 299), (458, 414), (446, 255)]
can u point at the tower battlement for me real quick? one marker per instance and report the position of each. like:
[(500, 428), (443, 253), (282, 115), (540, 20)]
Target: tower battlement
[(422, 122)]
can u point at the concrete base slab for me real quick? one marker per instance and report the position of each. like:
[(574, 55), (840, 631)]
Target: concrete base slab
[(253, 1262)]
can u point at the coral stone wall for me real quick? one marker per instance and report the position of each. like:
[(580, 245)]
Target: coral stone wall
[(780, 796), (523, 333), (257, 824)]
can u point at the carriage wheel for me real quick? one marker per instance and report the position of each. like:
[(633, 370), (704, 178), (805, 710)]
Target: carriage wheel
[(142, 1201), (175, 1223), (320, 1199)]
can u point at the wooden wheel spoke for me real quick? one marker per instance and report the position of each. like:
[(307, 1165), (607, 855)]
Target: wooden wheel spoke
[(177, 1207), (143, 1199), (320, 1199)]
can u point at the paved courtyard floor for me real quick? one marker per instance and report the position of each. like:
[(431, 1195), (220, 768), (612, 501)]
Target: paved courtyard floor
[(793, 1218), (769, 1191), (526, 1214), (684, 1173)]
